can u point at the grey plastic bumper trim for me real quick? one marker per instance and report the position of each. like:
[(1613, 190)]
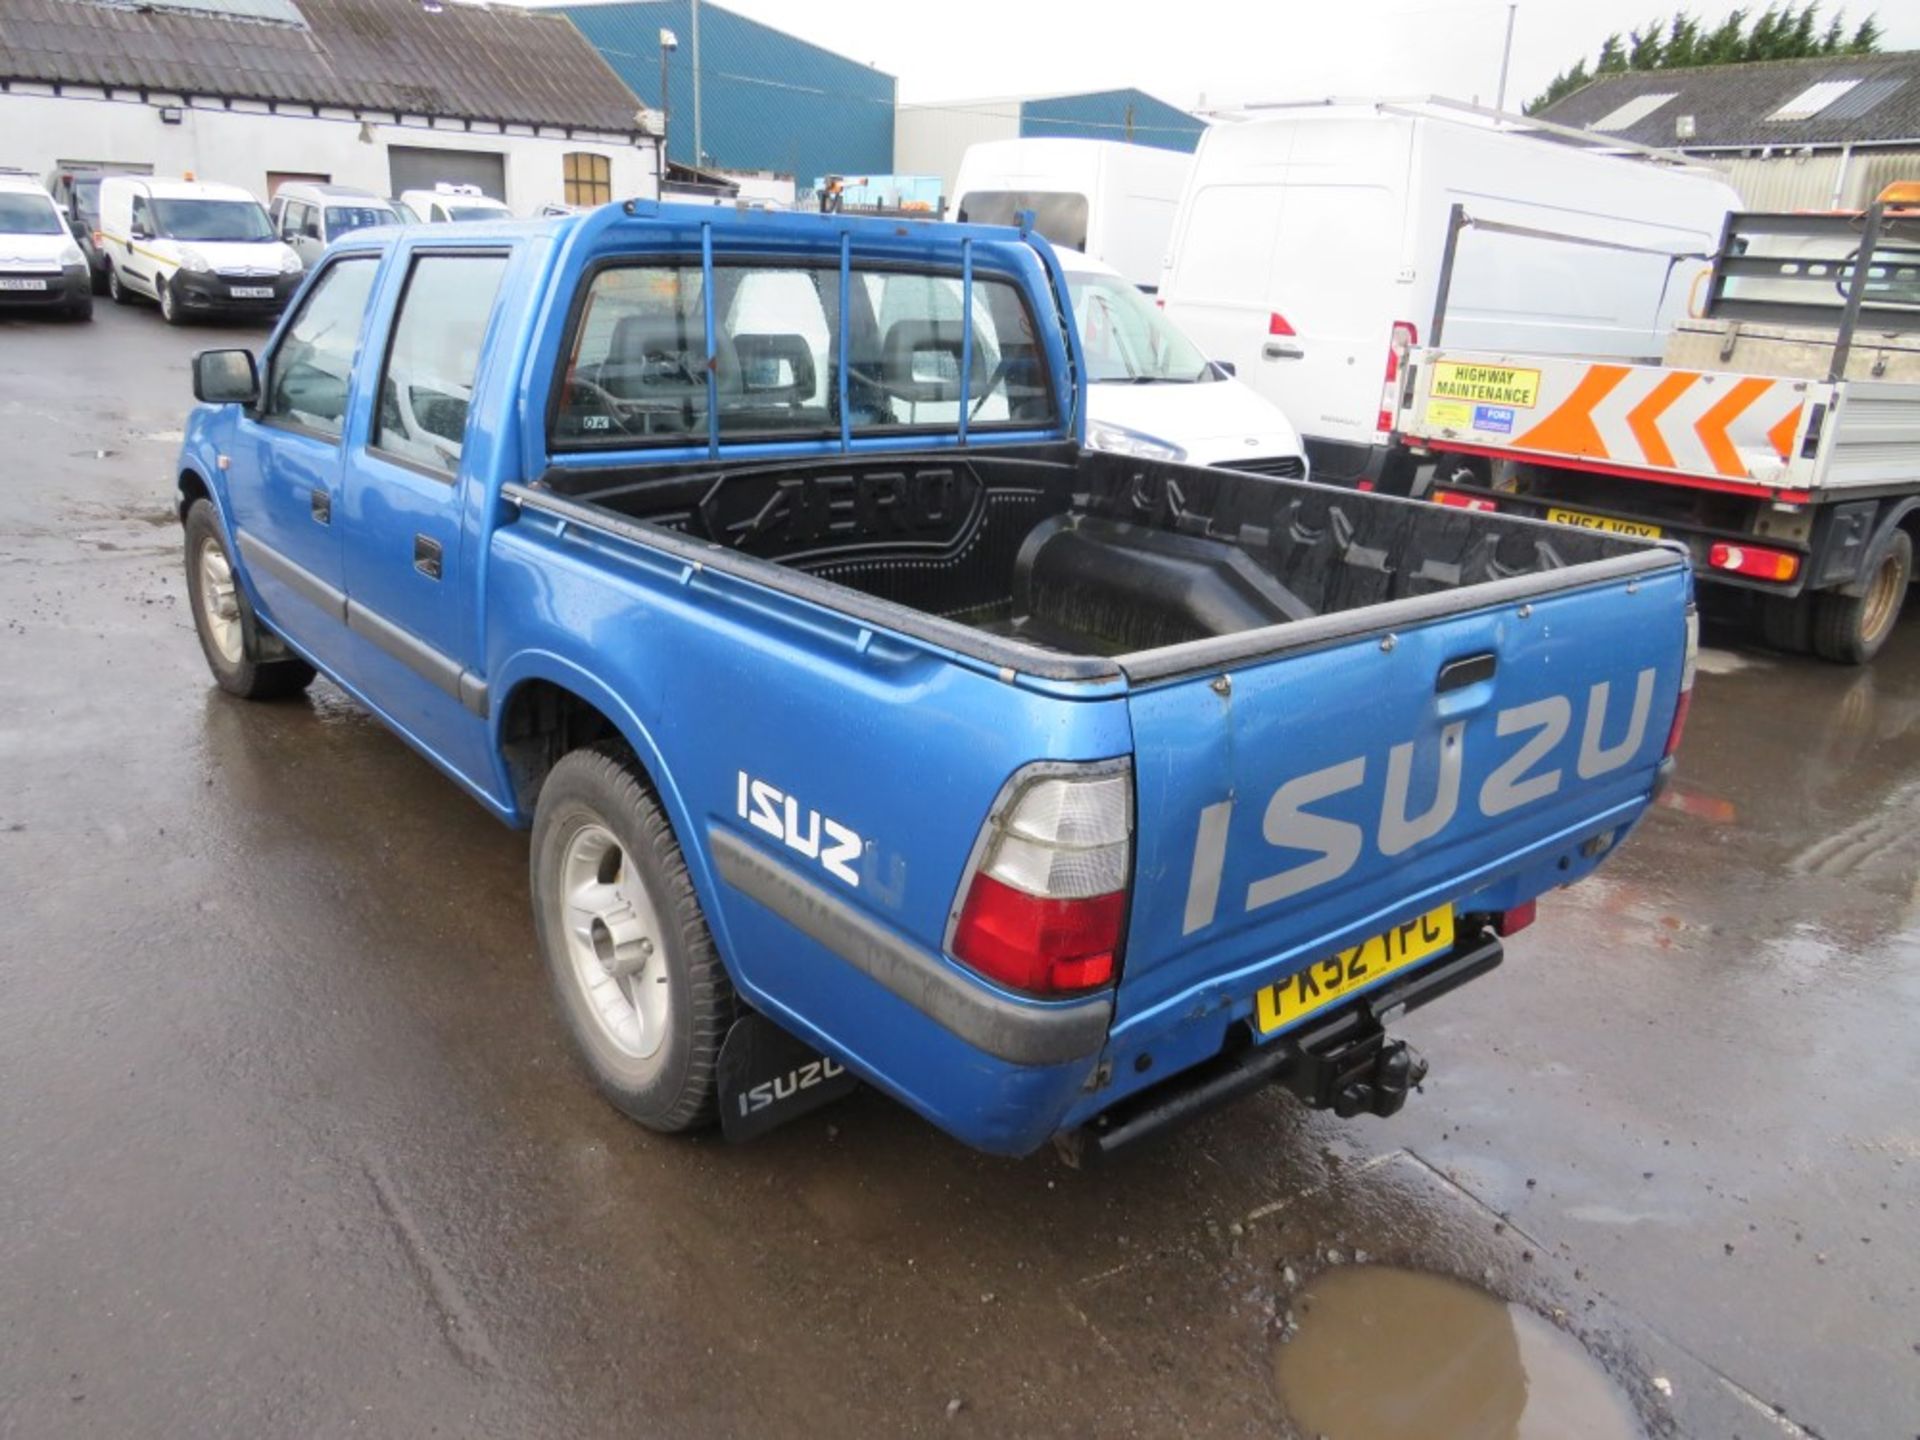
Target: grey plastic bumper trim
[(1052, 1033)]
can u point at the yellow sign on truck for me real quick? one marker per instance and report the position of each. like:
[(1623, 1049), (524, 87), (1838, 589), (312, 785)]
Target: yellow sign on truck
[(1485, 384)]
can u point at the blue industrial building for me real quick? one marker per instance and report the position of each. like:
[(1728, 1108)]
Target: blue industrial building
[(1130, 115), (768, 101)]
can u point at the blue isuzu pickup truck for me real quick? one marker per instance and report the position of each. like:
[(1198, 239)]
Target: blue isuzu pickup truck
[(870, 728)]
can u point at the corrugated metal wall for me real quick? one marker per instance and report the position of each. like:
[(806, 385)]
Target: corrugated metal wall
[(768, 101), (1111, 115), (1807, 182)]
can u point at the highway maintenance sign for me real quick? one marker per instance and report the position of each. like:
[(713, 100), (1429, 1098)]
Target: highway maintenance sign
[(1610, 416)]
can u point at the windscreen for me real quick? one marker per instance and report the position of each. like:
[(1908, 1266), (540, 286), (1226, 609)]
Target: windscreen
[(232, 220), (1129, 340), (1060, 215), (342, 218), (28, 214)]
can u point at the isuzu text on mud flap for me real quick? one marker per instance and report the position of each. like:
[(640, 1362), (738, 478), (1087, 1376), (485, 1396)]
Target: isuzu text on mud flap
[(867, 726)]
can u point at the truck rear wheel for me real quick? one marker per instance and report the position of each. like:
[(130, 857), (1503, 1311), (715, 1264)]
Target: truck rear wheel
[(633, 964), (230, 633), (1850, 629)]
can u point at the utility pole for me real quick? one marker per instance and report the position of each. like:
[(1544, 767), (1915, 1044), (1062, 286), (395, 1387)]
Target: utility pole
[(1129, 122), (699, 151), (1506, 55), (669, 42)]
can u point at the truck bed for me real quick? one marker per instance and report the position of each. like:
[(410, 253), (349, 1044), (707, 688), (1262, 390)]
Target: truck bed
[(1068, 563)]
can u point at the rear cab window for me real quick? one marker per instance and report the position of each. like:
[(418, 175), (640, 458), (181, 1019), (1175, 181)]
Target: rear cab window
[(636, 372)]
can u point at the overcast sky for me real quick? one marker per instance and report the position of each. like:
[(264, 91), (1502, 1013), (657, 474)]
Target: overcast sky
[(1232, 51)]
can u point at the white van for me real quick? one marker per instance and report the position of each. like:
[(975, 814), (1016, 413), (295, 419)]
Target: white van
[(1152, 393), (1308, 248), (447, 204), (40, 264), (193, 247), (1112, 202), (310, 217)]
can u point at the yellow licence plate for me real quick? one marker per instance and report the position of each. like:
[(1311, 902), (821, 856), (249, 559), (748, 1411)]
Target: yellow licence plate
[(1602, 522), (1326, 981)]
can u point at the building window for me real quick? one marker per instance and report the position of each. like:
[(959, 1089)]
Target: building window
[(589, 178)]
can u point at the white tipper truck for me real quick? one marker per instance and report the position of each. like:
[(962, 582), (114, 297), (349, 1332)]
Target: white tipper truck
[(1777, 438)]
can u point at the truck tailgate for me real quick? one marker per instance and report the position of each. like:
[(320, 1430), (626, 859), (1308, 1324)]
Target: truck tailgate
[(1302, 802)]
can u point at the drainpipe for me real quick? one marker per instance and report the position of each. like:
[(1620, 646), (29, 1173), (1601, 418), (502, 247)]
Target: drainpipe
[(1840, 178)]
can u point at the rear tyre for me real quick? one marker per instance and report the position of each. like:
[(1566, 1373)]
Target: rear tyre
[(1850, 629), (1786, 623), (230, 635), (633, 965)]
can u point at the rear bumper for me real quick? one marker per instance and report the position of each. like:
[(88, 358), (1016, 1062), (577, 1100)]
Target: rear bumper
[(1342, 1061)]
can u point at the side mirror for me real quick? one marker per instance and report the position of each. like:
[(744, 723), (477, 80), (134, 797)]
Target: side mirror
[(1226, 368), (139, 232), (225, 377)]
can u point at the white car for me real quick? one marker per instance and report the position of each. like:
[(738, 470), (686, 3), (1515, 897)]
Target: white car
[(1151, 393), (194, 248), (40, 265), (450, 204)]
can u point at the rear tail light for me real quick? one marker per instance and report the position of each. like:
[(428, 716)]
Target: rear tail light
[(1686, 682), (1277, 324), (1462, 502), (1512, 922), (1752, 560), (1044, 905), (1399, 347)]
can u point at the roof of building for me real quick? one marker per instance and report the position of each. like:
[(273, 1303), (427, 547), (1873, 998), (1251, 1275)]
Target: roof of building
[(1833, 100), (415, 57)]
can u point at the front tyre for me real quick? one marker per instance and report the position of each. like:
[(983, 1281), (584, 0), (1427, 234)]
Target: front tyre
[(169, 305), (1851, 629), (116, 288), (633, 964), (229, 632)]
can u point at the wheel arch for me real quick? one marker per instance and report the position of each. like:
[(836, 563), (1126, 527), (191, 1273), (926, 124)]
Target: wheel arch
[(192, 486)]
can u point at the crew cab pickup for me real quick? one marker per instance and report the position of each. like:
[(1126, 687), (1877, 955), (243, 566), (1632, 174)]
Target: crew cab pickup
[(868, 726)]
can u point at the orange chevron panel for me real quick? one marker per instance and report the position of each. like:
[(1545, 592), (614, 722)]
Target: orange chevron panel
[(1570, 430), (1712, 426), (1644, 418), (1783, 431)]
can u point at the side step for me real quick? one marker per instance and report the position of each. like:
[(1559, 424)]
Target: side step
[(1344, 1062)]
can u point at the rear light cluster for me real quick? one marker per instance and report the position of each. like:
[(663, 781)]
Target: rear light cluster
[(1686, 682), (1405, 337), (1045, 904), (1754, 560), (1462, 502), (1512, 922)]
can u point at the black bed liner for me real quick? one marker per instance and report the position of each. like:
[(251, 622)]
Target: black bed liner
[(1023, 556)]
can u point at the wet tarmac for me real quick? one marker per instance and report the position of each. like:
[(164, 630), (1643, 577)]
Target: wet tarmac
[(290, 1142)]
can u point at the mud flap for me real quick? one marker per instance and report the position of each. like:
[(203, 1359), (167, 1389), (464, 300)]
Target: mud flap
[(768, 1078)]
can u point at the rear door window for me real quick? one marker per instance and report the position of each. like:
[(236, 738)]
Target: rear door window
[(426, 385)]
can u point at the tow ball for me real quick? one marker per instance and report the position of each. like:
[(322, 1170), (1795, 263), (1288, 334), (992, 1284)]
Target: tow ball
[(1368, 1076)]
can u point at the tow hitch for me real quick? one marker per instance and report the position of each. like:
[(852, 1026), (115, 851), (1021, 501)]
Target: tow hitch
[(1343, 1061)]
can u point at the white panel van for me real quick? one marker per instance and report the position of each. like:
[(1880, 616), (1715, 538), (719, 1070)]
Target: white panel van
[(194, 248), (1308, 246), (1111, 201)]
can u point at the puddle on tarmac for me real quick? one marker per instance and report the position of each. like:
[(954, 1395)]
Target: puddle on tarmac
[(1385, 1354)]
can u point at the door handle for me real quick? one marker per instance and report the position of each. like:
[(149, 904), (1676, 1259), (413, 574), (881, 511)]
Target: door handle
[(1274, 350), (426, 556), (322, 504)]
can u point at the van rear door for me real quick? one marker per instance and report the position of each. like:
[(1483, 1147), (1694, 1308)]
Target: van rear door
[(1300, 803)]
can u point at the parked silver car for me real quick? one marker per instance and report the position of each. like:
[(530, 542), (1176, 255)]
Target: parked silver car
[(310, 217)]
